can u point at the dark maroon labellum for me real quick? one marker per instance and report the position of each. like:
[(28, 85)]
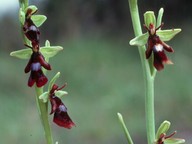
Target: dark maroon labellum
[(34, 65), (61, 116), (30, 30)]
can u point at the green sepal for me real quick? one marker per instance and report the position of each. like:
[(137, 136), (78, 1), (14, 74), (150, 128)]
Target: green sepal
[(50, 51), (22, 54), (21, 16), (167, 35), (33, 8), (174, 141), (163, 128), (52, 82), (38, 19), (60, 93), (159, 17), (139, 40), (149, 18), (44, 97)]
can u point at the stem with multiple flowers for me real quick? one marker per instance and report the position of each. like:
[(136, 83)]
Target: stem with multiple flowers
[(42, 107), (37, 66), (149, 80), (152, 58)]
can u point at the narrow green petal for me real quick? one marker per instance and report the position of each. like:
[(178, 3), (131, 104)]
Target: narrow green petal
[(174, 141), (163, 128), (60, 93), (139, 40), (22, 54), (38, 19), (52, 82), (149, 17), (44, 97), (50, 51), (166, 35)]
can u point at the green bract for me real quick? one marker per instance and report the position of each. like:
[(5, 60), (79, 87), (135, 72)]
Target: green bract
[(52, 82), (44, 97), (159, 18)]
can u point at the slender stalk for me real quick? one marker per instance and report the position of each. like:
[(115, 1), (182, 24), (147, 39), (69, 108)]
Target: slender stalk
[(148, 78), (129, 140), (43, 113)]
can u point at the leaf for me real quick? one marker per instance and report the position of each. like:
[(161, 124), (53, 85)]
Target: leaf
[(129, 140), (52, 82), (38, 19), (22, 54), (174, 141), (149, 17), (50, 51), (139, 40), (44, 97), (163, 128), (60, 93), (166, 35)]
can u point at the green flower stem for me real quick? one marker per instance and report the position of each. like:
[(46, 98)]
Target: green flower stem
[(148, 78), (43, 112), (42, 107)]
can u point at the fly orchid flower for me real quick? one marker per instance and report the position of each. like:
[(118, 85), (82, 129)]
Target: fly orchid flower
[(163, 138), (155, 39), (34, 65), (31, 31), (61, 116), (155, 45)]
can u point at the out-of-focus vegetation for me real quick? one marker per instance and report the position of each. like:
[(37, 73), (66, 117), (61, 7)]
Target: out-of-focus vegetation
[(103, 73)]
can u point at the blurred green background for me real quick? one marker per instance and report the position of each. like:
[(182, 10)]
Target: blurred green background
[(103, 73)]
